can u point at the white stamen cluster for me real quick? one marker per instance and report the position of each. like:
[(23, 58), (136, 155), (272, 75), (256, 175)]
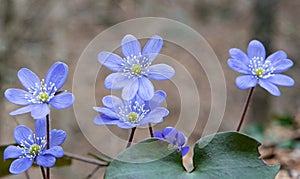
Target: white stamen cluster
[(41, 93), (132, 113), (135, 65), (33, 146), (261, 68)]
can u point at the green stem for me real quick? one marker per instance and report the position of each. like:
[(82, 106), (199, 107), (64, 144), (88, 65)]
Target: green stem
[(245, 109)]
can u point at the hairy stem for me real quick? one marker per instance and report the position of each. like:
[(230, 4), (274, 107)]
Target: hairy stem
[(43, 172), (150, 130), (85, 159), (131, 137), (245, 109), (48, 141)]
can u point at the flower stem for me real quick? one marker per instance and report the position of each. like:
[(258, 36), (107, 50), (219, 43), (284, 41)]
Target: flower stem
[(245, 109), (131, 137), (84, 159), (43, 172), (150, 130), (48, 141)]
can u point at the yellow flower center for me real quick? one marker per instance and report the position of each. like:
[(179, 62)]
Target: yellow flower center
[(34, 149), (136, 69), (133, 117), (43, 97), (259, 72)]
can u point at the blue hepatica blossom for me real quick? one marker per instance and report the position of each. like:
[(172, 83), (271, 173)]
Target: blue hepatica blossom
[(40, 94), (33, 147), (257, 69), (134, 70), (128, 114), (176, 139)]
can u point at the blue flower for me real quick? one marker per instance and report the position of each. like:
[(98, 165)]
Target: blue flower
[(33, 147), (40, 94), (133, 113), (175, 138), (133, 71), (257, 69)]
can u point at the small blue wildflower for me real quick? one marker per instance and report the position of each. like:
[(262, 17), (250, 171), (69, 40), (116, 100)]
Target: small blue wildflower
[(128, 114), (175, 138), (257, 69), (41, 94), (133, 71), (33, 147)]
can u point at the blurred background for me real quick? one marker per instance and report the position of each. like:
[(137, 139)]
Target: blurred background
[(35, 34)]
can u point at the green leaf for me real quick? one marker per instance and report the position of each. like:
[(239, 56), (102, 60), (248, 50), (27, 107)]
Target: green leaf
[(4, 165), (223, 155)]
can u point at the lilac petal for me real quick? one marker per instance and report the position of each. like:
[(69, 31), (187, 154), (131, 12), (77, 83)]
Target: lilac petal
[(40, 111), (146, 89), (116, 81), (12, 152), (256, 49), (184, 150), (271, 88), (161, 72), (130, 90), (167, 130), (180, 139), (281, 80), (20, 165), (158, 99), (105, 120), (238, 66), (62, 101), (282, 65), (22, 135), (155, 116), (158, 134), (239, 55), (57, 74), (246, 81), (57, 137), (17, 96), (152, 47), (23, 110), (111, 61), (130, 46), (277, 56), (112, 102), (45, 160), (40, 128), (107, 112), (28, 79), (125, 125), (56, 151)]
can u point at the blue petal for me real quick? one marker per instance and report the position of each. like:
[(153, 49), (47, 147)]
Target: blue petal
[(180, 139), (246, 81), (238, 66), (239, 55), (57, 137), (62, 101), (22, 134), (146, 89), (116, 81), (45, 160), (111, 61), (277, 56), (28, 79), (155, 116), (184, 150), (40, 128), (167, 130), (40, 111), (125, 125), (12, 152), (282, 65), (158, 99), (161, 72), (152, 47), (130, 90), (56, 151), (17, 96), (158, 134), (271, 88), (57, 74), (281, 80), (23, 110), (256, 49), (107, 112), (130, 46), (20, 165), (112, 102), (105, 120)]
